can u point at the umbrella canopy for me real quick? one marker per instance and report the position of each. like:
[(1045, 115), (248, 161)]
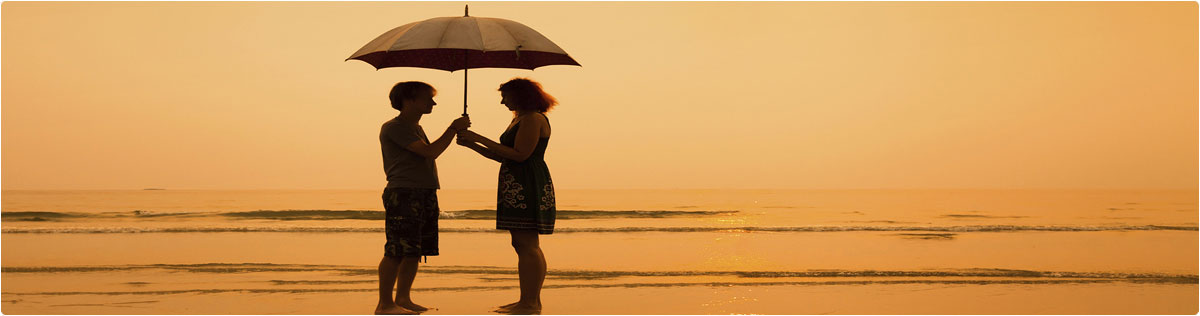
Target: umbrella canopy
[(453, 43)]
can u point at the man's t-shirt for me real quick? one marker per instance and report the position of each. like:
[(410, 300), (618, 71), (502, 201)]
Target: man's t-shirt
[(404, 168)]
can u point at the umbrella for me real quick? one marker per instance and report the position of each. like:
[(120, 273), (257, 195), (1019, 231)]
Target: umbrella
[(453, 43)]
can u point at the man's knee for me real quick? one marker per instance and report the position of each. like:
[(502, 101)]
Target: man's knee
[(410, 259), (389, 260)]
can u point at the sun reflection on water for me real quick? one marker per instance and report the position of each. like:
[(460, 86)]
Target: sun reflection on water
[(724, 304)]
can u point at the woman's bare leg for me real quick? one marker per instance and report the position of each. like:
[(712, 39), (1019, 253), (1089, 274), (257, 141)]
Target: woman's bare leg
[(531, 267)]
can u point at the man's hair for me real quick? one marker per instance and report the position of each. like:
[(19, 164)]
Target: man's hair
[(528, 95), (408, 90)]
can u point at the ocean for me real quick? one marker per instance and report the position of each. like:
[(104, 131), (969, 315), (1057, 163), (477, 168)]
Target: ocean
[(613, 252)]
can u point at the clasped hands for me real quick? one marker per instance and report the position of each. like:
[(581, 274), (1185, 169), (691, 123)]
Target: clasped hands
[(465, 136)]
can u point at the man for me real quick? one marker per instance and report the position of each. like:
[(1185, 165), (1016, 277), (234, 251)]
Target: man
[(410, 198)]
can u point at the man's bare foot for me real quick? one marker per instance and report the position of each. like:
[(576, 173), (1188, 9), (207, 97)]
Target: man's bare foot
[(393, 309), (524, 309), (412, 306), (504, 308)]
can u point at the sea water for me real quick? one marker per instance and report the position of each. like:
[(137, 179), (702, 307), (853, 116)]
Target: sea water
[(153, 251)]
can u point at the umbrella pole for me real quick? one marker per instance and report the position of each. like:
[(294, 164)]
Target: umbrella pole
[(465, 68), (466, 10)]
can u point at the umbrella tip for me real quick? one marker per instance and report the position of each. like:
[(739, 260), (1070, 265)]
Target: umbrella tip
[(466, 10)]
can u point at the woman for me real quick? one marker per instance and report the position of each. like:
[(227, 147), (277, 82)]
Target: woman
[(525, 194)]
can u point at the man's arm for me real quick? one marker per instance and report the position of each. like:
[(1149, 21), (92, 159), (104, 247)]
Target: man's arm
[(435, 149)]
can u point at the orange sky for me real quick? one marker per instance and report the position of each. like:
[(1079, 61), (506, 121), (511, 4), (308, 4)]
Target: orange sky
[(227, 95)]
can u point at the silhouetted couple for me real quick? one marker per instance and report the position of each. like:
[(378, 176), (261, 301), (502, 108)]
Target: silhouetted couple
[(524, 196)]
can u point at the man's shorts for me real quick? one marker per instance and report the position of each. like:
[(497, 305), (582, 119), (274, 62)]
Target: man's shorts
[(411, 223)]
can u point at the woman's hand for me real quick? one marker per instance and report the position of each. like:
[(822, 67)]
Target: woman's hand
[(467, 137), (463, 141)]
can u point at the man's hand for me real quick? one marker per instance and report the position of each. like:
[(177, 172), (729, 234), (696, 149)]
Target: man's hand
[(461, 124)]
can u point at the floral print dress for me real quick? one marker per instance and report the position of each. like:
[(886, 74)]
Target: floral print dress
[(525, 195)]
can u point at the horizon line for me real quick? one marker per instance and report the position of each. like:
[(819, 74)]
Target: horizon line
[(626, 189)]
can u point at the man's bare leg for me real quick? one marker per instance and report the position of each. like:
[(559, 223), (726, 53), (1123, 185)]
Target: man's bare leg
[(388, 270), (404, 281)]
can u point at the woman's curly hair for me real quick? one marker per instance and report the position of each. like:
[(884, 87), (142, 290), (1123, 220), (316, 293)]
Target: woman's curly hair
[(525, 94)]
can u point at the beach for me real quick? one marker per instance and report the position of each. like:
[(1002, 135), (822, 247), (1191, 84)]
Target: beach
[(849, 158), (613, 252)]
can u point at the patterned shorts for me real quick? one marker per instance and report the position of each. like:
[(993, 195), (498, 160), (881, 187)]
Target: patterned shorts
[(411, 222)]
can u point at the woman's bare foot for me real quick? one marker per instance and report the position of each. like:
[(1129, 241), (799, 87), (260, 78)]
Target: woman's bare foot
[(393, 309), (524, 309), (412, 306)]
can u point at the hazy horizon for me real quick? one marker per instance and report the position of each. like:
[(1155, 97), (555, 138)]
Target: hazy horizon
[(638, 189), (671, 95)]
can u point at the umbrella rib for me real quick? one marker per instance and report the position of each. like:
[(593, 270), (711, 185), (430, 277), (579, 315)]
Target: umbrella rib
[(510, 34), (518, 48), (442, 40), (481, 43)]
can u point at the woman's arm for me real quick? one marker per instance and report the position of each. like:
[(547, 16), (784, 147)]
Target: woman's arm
[(479, 149), (528, 132)]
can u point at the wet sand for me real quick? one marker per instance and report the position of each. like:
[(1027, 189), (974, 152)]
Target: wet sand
[(639, 273), (1117, 298)]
